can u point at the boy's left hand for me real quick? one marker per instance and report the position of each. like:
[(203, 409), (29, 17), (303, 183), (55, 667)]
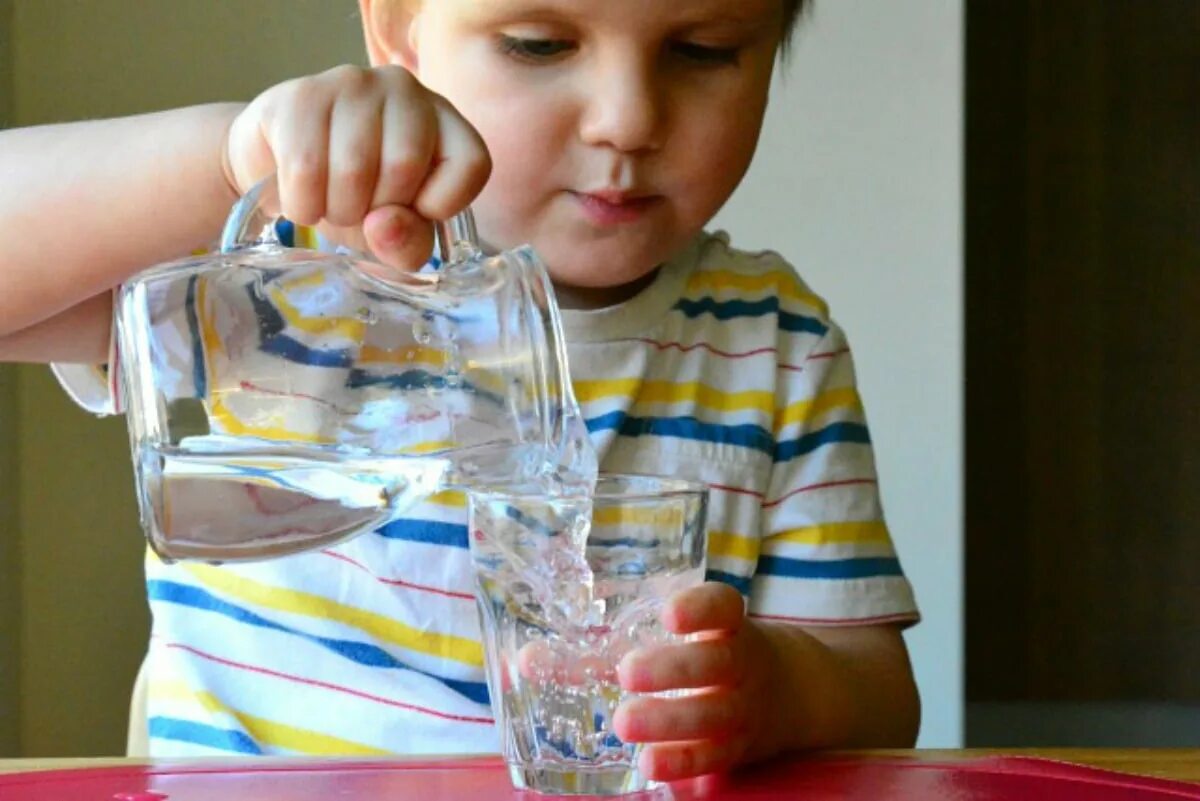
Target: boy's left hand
[(729, 663)]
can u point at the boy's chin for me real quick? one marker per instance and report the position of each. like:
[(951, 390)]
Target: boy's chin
[(572, 294)]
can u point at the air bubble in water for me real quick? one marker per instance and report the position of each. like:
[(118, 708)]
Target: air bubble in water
[(422, 329)]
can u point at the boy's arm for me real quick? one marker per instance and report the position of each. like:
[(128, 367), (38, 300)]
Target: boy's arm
[(840, 686), (86, 205), (767, 688)]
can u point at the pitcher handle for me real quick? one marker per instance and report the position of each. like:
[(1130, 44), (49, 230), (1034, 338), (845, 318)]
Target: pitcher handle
[(253, 218)]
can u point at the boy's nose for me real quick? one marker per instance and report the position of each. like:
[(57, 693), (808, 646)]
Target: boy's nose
[(622, 110)]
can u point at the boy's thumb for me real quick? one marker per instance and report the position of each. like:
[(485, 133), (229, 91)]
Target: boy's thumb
[(399, 237)]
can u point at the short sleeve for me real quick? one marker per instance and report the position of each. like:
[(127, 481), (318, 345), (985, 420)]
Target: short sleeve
[(826, 554), (94, 387)]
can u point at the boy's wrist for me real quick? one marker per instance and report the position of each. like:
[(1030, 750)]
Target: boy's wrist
[(806, 702), (231, 111)]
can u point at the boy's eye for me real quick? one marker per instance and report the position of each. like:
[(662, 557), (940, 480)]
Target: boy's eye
[(705, 54), (534, 49)]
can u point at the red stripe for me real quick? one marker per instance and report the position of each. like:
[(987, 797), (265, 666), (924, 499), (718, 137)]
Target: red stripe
[(327, 686), (398, 582), (735, 490), (823, 485), (679, 346), (829, 355), (833, 354), (904, 617)]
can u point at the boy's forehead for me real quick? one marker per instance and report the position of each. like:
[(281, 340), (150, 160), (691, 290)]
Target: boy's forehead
[(673, 12)]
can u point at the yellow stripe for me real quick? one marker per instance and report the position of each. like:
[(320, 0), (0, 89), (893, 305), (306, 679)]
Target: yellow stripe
[(873, 532), (422, 448), (724, 543), (801, 411), (669, 392), (452, 498), (783, 284), (305, 236), (272, 428), (349, 327), (267, 732), (637, 516), (378, 627), (208, 332), (407, 355)]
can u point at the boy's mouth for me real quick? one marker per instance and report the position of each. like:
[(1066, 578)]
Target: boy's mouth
[(607, 207)]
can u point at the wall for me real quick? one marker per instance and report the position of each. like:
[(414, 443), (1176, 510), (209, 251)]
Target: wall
[(9, 572), (858, 182), (82, 601)]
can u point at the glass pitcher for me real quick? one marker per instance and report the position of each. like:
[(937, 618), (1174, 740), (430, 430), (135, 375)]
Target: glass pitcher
[(281, 400)]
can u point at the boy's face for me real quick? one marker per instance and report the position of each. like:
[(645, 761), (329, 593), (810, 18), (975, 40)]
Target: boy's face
[(617, 128)]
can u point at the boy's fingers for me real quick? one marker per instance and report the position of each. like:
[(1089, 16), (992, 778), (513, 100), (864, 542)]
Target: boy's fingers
[(461, 167), (677, 666), (407, 148), (541, 663), (299, 137), (398, 237), (354, 144), (667, 762), (712, 606), (699, 716)]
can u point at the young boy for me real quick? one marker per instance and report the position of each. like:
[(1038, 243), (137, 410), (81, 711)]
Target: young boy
[(606, 133)]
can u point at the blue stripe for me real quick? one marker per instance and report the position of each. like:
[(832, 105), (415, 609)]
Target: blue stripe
[(187, 731), (272, 339), (834, 432), (429, 532), (409, 379), (417, 380), (730, 309), (739, 583), (359, 652), (874, 567), (285, 229), (746, 435), (199, 377), (296, 351)]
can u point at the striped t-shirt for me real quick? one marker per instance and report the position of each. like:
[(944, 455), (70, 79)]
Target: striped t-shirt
[(727, 369)]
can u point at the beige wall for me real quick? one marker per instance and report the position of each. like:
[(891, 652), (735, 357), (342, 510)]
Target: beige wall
[(9, 574), (81, 602), (9, 559)]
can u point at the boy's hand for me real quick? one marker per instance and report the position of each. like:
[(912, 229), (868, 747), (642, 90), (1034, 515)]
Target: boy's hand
[(729, 663), (368, 150)]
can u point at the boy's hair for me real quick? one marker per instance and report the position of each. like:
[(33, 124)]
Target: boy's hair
[(792, 10)]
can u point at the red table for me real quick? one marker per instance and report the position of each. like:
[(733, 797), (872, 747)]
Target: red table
[(894, 777)]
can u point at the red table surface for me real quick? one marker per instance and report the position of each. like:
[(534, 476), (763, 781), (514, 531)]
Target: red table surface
[(482, 779)]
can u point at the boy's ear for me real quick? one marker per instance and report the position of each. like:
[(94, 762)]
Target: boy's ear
[(388, 29)]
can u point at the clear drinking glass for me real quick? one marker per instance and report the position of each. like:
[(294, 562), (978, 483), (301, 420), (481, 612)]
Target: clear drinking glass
[(566, 586), (283, 399)]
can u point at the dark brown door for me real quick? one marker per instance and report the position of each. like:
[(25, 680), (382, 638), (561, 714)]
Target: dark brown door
[(1083, 350)]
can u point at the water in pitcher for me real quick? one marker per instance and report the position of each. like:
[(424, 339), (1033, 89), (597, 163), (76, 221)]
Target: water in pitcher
[(280, 401)]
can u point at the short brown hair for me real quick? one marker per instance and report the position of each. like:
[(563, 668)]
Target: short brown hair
[(792, 9)]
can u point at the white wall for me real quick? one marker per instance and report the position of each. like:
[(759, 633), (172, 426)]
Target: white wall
[(858, 181)]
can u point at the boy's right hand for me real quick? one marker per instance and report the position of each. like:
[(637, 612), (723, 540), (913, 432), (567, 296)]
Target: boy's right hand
[(371, 151)]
